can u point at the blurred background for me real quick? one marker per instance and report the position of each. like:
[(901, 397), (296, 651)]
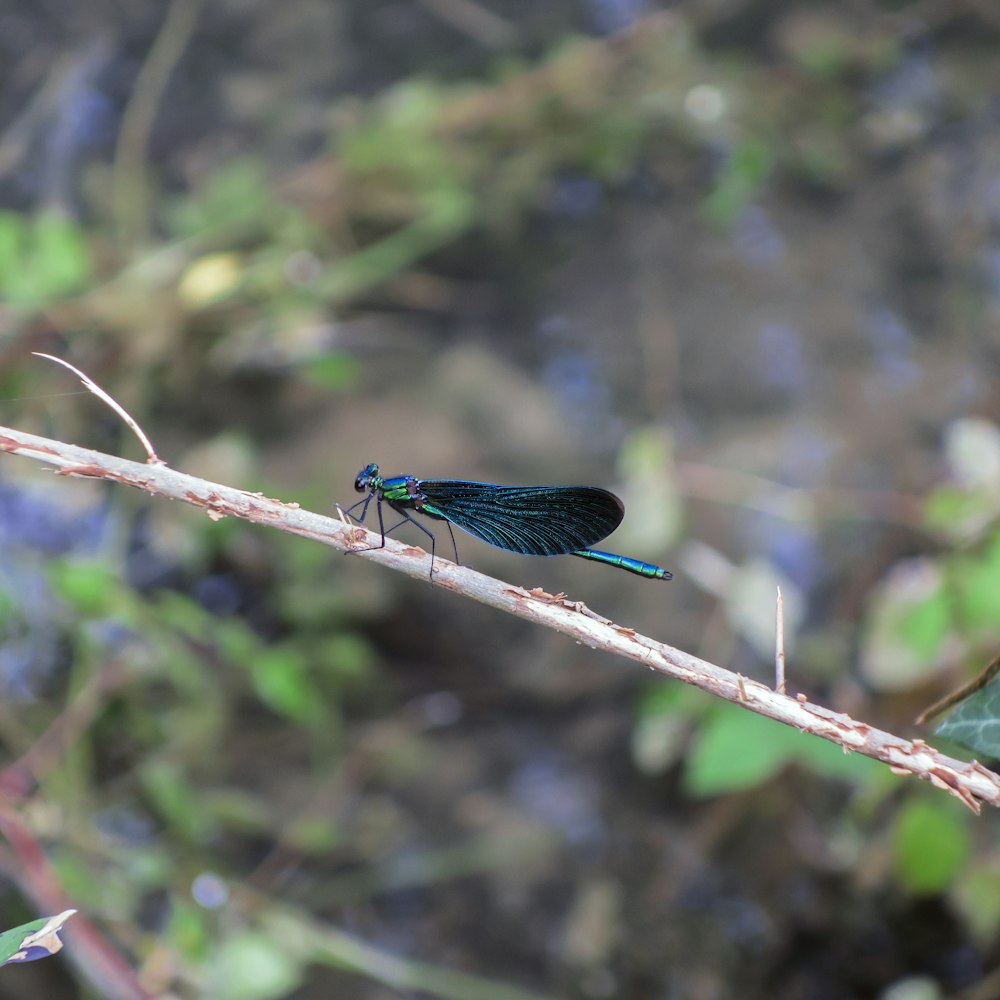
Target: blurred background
[(737, 261)]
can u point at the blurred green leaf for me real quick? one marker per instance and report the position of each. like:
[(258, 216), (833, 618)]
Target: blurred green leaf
[(976, 894), (281, 680), (8, 605), (959, 515), (924, 625), (184, 615), (908, 622), (735, 749), (665, 715), (106, 889), (931, 843), (978, 583), (649, 489), (188, 930), (348, 655), (332, 371), (234, 195), (251, 966), (41, 259), (611, 146), (447, 212), (658, 741), (309, 834), (739, 181), (832, 761), (674, 699), (235, 641), (92, 587), (175, 799)]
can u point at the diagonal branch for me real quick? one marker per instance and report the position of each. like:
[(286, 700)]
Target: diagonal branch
[(972, 783)]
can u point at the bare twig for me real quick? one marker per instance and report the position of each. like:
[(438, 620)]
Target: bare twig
[(110, 400), (970, 782)]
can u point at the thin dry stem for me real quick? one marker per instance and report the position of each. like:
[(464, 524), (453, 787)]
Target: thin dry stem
[(90, 384)]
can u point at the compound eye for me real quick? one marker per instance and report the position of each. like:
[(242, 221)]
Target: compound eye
[(365, 477)]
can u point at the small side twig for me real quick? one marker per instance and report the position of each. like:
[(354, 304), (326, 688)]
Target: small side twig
[(960, 694), (90, 384)]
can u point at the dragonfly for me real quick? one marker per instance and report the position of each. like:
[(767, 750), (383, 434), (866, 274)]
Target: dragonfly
[(532, 520)]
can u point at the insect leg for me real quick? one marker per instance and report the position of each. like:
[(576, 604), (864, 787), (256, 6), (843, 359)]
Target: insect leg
[(453, 545)]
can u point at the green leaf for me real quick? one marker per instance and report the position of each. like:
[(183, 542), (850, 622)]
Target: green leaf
[(34, 940), (975, 723), (930, 844)]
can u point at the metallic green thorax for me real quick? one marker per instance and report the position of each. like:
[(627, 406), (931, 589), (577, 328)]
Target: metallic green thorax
[(532, 520)]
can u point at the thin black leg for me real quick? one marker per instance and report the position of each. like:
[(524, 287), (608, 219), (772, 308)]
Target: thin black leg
[(405, 517), (364, 500), (453, 545)]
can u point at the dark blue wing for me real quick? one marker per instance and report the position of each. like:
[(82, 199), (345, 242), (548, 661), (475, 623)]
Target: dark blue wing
[(533, 520)]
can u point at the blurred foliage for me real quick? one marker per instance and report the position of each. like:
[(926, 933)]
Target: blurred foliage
[(739, 182), (157, 795), (931, 844), (41, 259), (934, 612), (424, 174), (927, 614), (734, 749)]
